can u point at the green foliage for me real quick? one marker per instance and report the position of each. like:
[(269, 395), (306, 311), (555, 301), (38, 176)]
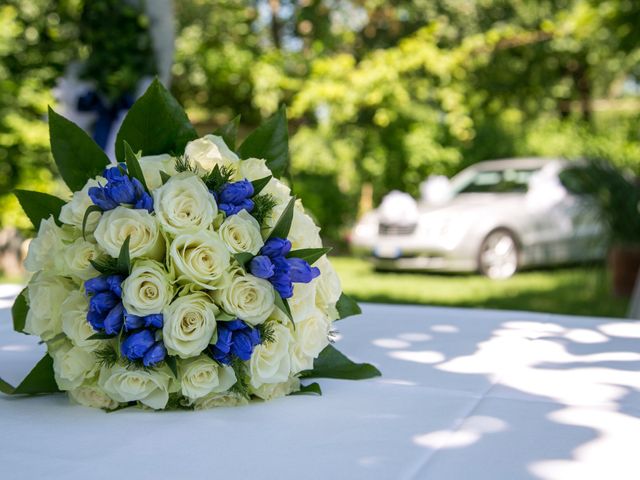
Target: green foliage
[(271, 142), (169, 131), (347, 306), (309, 255), (283, 225), (262, 207), (19, 311), (616, 194), (117, 48), (333, 364), (133, 166), (39, 206), (39, 380), (77, 156)]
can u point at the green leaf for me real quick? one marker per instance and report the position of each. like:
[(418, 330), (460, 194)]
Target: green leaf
[(39, 380), (19, 311), (347, 306), (100, 336), (90, 209), (333, 364), (172, 364), (38, 206), (271, 142), (78, 157), (311, 389), (124, 261), (224, 316), (243, 258), (133, 166), (309, 255), (155, 124), (164, 176), (283, 225), (283, 305), (259, 184), (229, 132)]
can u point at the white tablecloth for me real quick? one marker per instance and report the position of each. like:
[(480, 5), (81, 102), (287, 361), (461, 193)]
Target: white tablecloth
[(465, 394)]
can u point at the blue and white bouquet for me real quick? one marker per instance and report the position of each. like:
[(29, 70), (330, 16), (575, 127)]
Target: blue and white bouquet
[(184, 276)]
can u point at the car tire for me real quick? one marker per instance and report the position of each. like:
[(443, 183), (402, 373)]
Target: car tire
[(499, 255)]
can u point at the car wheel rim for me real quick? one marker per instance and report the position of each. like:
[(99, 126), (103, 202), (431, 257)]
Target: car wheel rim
[(499, 256)]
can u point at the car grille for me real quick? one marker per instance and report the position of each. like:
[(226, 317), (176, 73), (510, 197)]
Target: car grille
[(395, 229)]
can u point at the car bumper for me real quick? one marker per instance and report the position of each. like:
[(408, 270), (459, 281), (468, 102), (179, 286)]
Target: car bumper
[(405, 253)]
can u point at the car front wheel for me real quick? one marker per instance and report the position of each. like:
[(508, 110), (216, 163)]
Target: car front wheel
[(498, 257)]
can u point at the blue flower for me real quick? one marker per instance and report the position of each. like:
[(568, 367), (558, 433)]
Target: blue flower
[(154, 355), (283, 285), (235, 196), (133, 322), (136, 345), (100, 197), (120, 190), (106, 312), (301, 271), (114, 320), (273, 265), (95, 285), (103, 302), (235, 338), (236, 192), (262, 267), (276, 247)]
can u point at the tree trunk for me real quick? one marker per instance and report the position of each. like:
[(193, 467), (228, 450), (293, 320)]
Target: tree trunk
[(276, 26)]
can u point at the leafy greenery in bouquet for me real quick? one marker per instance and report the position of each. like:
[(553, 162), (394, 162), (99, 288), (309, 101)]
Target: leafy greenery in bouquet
[(185, 276)]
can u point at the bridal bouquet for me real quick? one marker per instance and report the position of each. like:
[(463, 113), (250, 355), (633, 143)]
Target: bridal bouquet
[(184, 276)]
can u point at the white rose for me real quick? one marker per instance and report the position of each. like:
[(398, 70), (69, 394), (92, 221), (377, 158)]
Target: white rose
[(149, 386), (184, 204), (255, 169), (225, 399), (73, 212), (77, 259), (189, 324), (152, 165), (271, 362), (252, 169), (201, 258), (147, 289), (71, 364), (45, 251), (140, 226), (74, 321), (328, 289), (46, 293), (271, 391), (201, 376), (303, 301), (248, 298), (241, 233), (310, 337), (90, 395), (304, 232), (207, 152)]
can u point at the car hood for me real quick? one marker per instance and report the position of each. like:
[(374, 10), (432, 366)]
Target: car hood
[(472, 204)]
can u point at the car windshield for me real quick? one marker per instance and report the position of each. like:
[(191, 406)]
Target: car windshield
[(511, 180)]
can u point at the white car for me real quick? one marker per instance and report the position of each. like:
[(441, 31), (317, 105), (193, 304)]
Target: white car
[(494, 217)]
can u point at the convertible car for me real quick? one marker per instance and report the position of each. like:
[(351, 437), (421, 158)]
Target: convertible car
[(494, 217)]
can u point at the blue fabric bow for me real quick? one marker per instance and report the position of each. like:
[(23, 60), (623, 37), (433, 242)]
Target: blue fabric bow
[(107, 114)]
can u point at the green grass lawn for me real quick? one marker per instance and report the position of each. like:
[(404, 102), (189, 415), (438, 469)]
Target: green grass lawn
[(575, 290)]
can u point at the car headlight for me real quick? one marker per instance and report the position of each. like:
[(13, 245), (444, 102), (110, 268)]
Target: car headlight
[(366, 230)]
